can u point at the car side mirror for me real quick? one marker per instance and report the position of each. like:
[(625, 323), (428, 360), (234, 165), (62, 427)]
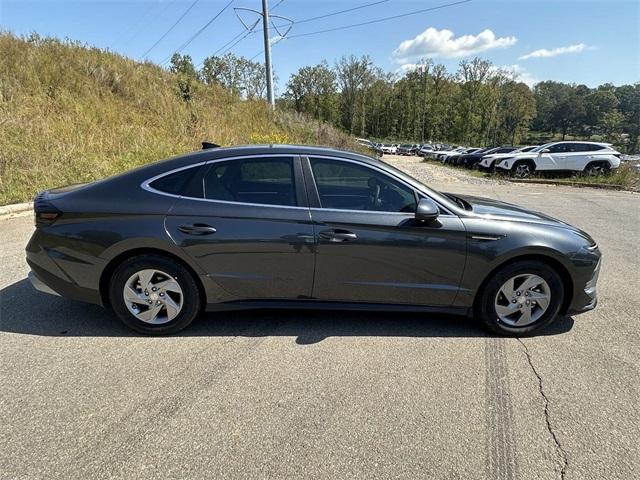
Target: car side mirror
[(546, 150), (427, 210)]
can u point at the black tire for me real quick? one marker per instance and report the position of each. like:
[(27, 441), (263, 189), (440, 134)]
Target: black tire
[(597, 169), (485, 309), (523, 168), (188, 285)]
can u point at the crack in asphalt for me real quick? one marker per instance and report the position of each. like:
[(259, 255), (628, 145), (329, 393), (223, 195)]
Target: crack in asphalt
[(561, 452)]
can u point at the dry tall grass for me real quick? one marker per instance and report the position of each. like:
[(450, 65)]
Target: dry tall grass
[(71, 113)]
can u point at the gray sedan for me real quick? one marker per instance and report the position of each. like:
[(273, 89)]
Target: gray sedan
[(303, 227)]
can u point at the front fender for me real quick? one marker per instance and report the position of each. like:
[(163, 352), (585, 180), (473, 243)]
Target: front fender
[(492, 243)]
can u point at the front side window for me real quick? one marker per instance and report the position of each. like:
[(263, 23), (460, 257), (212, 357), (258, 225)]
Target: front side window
[(268, 181), (558, 148), (348, 186)]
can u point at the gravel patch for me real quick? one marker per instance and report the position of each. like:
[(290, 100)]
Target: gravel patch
[(430, 171)]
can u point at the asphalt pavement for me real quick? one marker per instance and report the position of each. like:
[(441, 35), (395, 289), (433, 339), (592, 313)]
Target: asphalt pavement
[(336, 395)]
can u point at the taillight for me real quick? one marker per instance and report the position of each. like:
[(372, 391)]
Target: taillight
[(45, 213)]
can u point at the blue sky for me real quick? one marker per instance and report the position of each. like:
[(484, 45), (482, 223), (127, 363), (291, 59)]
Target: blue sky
[(590, 42)]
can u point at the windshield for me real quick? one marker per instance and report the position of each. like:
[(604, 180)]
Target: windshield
[(523, 149), (541, 147), (405, 145)]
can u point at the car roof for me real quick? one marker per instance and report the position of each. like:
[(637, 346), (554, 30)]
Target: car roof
[(604, 144), (206, 155)]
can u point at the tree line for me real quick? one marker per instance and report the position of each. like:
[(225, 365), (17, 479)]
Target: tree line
[(478, 104)]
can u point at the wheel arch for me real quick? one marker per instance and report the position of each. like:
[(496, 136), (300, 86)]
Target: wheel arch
[(110, 268), (562, 271), (528, 160), (603, 161)]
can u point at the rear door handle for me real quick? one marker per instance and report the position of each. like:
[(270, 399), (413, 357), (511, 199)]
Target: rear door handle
[(338, 235), (197, 229)]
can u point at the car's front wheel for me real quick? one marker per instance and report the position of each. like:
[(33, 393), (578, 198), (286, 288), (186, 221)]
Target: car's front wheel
[(154, 295), (521, 298), (522, 169)]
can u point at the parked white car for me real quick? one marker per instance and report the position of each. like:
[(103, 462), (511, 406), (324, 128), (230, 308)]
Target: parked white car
[(389, 148), (441, 154), (488, 162), (425, 150), (590, 157)]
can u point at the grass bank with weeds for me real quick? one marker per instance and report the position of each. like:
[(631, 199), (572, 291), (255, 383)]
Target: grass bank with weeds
[(71, 113)]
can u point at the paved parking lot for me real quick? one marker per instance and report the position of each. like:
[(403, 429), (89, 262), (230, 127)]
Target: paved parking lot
[(329, 395)]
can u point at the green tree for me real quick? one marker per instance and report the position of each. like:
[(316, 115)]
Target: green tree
[(182, 66), (353, 76)]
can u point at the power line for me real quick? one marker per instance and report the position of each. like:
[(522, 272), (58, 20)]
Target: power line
[(150, 21), (326, 15), (244, 34), (199, 32), (378, 20), (247, 33), (133, 27), (170, 28)]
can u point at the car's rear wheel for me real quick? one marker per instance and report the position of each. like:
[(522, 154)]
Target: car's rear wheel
[(154, 295), (521, 298), (596, 169)]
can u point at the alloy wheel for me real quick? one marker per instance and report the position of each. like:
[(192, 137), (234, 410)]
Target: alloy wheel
[(597, 170), (522, 300), (522, 170), (153, 296)]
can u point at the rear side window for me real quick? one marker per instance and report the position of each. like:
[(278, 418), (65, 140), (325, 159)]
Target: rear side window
[(587, 147), (268, 181), (174, 183)]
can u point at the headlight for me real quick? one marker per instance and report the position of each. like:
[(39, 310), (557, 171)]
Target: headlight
[(506, 162)]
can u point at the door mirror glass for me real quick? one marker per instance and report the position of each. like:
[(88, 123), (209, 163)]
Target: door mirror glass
[(427, 210)]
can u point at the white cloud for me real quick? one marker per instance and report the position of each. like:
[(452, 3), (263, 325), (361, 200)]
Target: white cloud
[(409, 67), (275, 39), (442, 43), (516, 72), (544, 53)]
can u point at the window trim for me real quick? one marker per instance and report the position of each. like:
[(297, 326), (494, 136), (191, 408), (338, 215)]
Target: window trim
[(297, 179), (312, 188)]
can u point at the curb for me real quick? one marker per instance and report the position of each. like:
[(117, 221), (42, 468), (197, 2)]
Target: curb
[(15, 209), (602, 186)]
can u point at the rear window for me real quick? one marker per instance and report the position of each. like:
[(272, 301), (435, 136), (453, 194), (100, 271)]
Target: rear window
[(174, 183)]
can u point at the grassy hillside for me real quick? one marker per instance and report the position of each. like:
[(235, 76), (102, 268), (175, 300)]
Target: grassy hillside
[(70, 113)]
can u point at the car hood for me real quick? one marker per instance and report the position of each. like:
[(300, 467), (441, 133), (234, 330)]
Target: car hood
[(497, 210), (499, 155)]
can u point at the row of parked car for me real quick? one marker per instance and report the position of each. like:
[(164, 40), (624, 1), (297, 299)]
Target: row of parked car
[(592, 158), (407, 149)]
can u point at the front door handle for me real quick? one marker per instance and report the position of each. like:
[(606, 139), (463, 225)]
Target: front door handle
[(338, 235), (197, 229)]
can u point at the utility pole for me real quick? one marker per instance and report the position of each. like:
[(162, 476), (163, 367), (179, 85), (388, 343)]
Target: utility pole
[(267, 52), (266, 18)]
